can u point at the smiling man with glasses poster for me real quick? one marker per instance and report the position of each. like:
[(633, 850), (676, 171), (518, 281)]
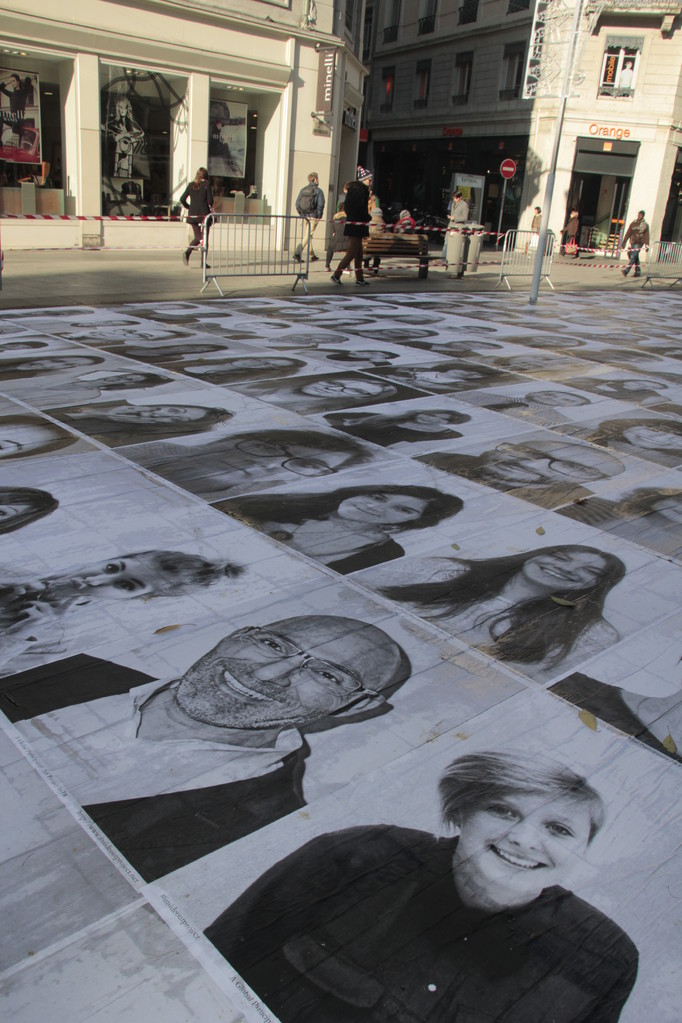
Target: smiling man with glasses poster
[(173, 769)]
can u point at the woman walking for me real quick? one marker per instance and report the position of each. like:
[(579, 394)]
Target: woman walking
[(355, 229), (198, 199)]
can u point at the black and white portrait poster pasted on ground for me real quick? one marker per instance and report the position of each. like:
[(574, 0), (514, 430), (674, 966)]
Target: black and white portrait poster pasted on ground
[(523, 862), (340, 656)]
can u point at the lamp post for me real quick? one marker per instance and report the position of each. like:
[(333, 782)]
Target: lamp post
[(540, 53)]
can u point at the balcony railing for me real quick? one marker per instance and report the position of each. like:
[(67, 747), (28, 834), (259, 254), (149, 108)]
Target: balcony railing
[(419, 104), (616, 92), (390, 33), (515, 6), (426, 25), (510, 93), (468, 12), (385, 108), (461, 100)]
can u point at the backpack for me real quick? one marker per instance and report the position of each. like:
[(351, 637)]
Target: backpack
[(306, 199)]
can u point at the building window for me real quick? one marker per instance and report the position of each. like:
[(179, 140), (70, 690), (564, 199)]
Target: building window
[(367, 33), (619, 67), (232, 134), (392, 21), (427, 21), (464, 66), (518, 5), (387, 89), (513, 69), (142, 113), (350, 15), (422, 83), (468, 12)]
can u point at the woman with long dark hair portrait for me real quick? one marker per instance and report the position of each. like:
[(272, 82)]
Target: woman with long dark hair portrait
[(448, 376), (650, 516), (171, 355), (368, 356), (316, 394), (20, 506), (539, 610), (38, 365), (28, 435), (234, 464), (118, 424), (242, 367), (380, 923), (419, 425), (657, 440), (92, 385), (348, 528)]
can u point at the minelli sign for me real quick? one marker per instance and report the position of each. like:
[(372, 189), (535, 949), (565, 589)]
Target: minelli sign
[(325, 80)]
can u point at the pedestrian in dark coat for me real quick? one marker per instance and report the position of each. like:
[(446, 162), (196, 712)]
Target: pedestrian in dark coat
[(198, 200), (356, 228)]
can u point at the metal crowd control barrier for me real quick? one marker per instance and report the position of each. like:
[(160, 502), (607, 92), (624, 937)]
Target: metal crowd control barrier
[(255, 245), (664, 263), (518, 256)]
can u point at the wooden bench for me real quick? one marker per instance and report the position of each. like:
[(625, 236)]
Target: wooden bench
[(387, 244)]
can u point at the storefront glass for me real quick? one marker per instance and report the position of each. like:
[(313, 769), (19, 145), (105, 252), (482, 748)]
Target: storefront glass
[(143, 113), (30, 127), (232, 136)]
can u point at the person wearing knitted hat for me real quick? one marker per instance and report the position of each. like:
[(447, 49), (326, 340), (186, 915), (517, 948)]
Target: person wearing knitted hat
[(406, 223), (355, 229)]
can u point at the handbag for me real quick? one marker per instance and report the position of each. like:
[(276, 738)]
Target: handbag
[(571, 248)]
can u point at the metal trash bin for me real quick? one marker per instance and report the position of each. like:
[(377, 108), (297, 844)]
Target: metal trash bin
[(464, 249), (455, 250), (475, 246)]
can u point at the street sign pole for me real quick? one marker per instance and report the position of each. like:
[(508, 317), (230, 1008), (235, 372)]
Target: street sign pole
[(499, 223), (567, 81), (507, 170)]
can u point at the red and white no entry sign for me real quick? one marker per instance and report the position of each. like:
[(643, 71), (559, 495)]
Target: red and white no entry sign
[(507, 168)]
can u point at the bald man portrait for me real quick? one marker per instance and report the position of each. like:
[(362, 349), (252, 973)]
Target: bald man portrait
[(171, 770)]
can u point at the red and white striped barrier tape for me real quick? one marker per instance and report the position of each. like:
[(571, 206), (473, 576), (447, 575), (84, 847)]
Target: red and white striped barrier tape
[(73, 216), (363, 223)]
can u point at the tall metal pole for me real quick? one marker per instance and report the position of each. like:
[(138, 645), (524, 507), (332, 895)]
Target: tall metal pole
[(549, 187), (499, 222)]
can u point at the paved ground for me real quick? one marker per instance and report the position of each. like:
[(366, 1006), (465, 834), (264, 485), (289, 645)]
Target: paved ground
[(273, 565), (101, 277)]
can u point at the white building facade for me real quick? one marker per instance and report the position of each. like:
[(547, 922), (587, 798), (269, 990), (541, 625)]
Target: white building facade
[(109, 107), (445, 108)]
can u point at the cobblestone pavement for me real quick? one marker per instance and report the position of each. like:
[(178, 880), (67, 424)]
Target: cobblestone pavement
[(274, 566)]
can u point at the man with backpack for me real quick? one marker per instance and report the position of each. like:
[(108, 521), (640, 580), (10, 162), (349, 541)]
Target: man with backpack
[(310, 206)]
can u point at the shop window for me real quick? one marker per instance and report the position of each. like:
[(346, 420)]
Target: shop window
[(367, 33), (464, 66), (619, 67), (513, 69), (422, 84), (232, 133), (468, 12), (139, 111), (30, 129), (392, 21), (427, 21), (387, 89)]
